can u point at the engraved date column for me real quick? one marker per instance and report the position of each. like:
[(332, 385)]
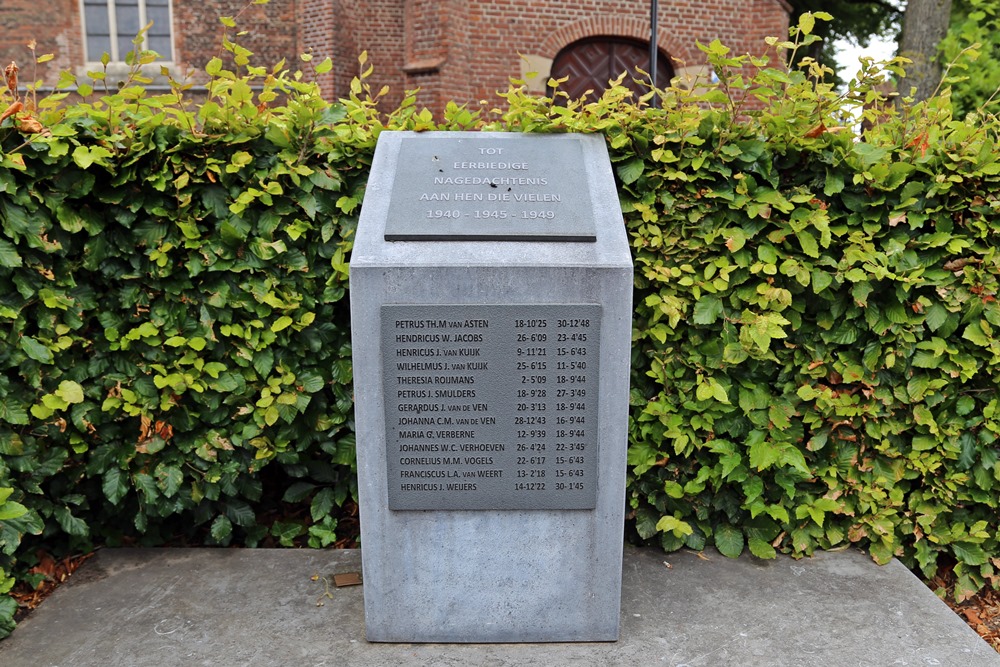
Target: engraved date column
[(574, 398), (531, 406)]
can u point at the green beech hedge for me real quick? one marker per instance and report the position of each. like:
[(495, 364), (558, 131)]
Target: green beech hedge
[(814, 358)]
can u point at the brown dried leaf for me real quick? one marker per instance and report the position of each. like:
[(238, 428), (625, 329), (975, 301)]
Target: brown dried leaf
[(960, 263), (164, 430), (145, 424), (30, 126), (972, 617), (816, 131), (10, 111), (10, 76)]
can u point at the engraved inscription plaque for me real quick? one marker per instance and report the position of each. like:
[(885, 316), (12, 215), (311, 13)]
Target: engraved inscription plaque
[(485, 187), (491, 406)]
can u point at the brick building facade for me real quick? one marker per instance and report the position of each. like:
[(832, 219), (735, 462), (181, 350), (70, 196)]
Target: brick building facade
[(66, 29), (465, 51), (462, 50)]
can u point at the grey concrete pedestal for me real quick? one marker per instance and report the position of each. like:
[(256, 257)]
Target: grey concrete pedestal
[(444, 562)]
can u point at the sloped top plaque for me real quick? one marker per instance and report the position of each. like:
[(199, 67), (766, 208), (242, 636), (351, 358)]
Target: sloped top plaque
[(490, 187)]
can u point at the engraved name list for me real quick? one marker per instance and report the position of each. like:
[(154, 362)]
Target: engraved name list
[(491, 406)]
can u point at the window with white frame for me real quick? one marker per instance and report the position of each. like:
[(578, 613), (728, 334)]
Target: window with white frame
[(111, 25)]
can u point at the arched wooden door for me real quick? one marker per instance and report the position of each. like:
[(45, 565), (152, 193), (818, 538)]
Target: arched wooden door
[(590, 63)]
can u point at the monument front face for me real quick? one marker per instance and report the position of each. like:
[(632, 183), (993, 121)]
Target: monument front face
[(491, 287)]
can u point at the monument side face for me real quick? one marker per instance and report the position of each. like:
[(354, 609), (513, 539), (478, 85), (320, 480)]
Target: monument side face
[(491, 388)]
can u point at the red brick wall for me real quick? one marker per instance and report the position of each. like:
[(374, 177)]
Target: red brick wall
[(505, 28), (272, 31), (320, 36), (54, 24), (479, 41), (379, 25)]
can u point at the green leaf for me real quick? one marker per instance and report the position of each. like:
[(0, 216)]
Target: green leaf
[(736, 238), (347, 204), (69, 523), (147, 485), (222, 529), (630, 171), (115, 485), (36, 350), (704, 391), (728, 540), (324, 66), (970, 553), (18, 222), (11, 510), (12, 412), (923, 416), (322, 504), (869, 154), (240, 512), (820, 280), (734, 353), (974, 332), (281, 323), (8, 255), (8, 607), (263, 362), (298, 492), (808, 242), (936, 316), (860, 292), (287, 531), (226, 382), (85, 156), (311, 382), (834, 183), (645, 523), (806, 24), (674, 525), (70, 391), (707, 309), (642, 455), (761, 548), (323, 534), (762, 454), (169, 479)]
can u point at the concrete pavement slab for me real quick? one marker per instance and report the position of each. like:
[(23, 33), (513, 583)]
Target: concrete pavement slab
[(236, 607)]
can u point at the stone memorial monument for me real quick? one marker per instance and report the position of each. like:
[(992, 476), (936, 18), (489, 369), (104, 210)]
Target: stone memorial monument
[(491, 305)]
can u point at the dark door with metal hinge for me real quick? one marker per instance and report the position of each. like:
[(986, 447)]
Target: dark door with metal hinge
[(590, 63)]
